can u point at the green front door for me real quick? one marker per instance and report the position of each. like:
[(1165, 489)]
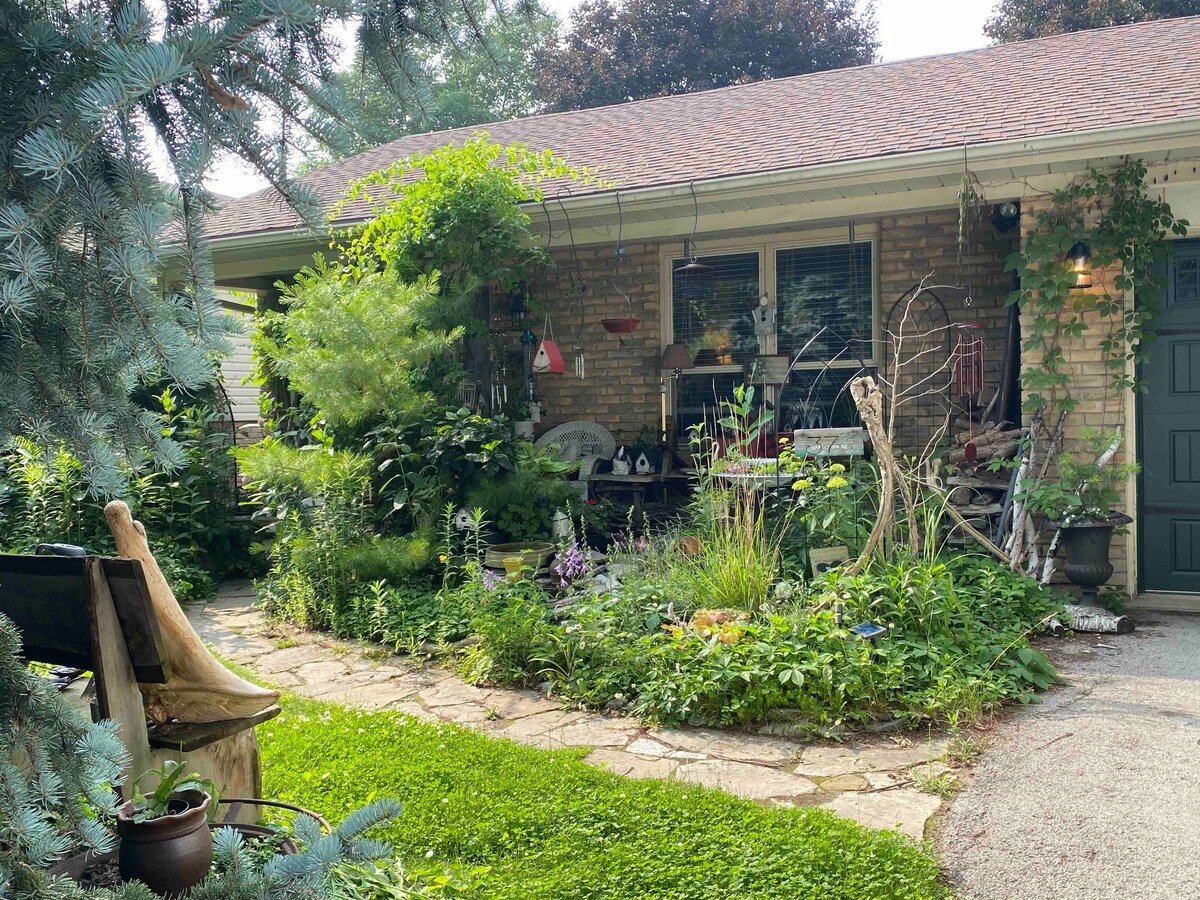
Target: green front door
[(1169, 440)]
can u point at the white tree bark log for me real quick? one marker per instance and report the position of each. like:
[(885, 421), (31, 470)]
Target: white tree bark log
[(199, 689)]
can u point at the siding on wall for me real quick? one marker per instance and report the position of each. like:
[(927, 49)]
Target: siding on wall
[(234, 368)]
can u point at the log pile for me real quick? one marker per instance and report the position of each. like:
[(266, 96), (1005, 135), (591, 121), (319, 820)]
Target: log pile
[(976, 493)]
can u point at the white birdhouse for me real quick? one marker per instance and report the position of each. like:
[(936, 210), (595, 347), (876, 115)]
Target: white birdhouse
[(641, 465)]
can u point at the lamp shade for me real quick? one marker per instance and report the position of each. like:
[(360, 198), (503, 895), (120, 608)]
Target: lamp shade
[(1079, 259), (676, 357)]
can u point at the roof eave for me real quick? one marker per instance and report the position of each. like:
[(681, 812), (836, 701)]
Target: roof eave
[(1057, 151)]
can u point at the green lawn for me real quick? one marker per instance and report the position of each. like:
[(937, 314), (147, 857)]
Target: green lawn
[(548, 826)]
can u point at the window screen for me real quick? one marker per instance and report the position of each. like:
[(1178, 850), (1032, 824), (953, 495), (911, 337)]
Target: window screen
[(713, 307), (825, 287)]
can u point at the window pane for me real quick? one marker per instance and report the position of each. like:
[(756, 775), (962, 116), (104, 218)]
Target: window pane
[(1187, 280), (812, 398), (713, 307), (825, 287), (819, 398)]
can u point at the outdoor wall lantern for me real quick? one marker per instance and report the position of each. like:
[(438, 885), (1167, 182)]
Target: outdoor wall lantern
[(1006, 216), (1079, 260), (518, 310)]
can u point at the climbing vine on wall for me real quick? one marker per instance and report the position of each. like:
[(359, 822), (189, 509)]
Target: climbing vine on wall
[(1126, 230)]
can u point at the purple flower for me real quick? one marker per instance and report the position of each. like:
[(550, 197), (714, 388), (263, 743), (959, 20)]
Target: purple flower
[(490, 579), (572, 563)]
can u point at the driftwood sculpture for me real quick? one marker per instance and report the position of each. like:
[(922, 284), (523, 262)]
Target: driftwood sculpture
[(199, 689)]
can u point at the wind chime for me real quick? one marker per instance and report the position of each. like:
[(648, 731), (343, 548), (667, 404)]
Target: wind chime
[(969, 358)]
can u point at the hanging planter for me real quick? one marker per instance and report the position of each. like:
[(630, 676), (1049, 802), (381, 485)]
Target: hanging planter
[(620, 324)]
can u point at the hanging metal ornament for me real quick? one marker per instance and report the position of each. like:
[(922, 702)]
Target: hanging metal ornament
[(528, 341), (691, 280), (579, 288)]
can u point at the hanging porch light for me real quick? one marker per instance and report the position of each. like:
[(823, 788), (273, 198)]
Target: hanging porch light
[(1079, 262)]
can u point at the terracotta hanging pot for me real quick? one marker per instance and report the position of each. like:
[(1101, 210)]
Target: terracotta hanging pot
[(620, 324)]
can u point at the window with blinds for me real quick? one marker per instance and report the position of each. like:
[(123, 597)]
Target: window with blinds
[(823, 298), (713, 303), (824, 306)]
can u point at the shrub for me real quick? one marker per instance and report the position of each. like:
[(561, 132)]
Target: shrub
[(186, 504)]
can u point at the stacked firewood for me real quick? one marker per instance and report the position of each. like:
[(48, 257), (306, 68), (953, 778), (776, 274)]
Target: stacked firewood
[(978, 448), (976, 492)]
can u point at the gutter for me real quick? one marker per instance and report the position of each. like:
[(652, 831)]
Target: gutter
[(1042, 151)]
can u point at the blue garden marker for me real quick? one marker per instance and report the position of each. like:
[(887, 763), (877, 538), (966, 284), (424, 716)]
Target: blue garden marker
[(868, 631)]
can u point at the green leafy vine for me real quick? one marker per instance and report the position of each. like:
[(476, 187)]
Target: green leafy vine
[(1113, 213)]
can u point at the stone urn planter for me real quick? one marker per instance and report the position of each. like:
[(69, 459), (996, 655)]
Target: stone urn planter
[(170, 853), (1086, 545)]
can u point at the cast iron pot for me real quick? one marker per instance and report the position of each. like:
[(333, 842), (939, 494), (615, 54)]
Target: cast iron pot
[(171, 853), (1086, 544)]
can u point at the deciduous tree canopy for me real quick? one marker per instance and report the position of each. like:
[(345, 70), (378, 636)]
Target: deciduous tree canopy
[(1022, 20), (618, 51), (484, 73)]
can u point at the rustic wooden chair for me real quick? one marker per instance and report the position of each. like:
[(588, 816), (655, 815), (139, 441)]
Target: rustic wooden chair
[(96, 614)]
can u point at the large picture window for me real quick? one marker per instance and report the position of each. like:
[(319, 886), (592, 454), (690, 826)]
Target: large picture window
[(823, 303)]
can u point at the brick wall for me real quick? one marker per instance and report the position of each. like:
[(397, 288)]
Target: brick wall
[(925, 246), (1100, 407), (621, 387), (621, 390)]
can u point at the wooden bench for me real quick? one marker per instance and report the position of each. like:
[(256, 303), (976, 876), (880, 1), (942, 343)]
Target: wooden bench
[(96, 614)]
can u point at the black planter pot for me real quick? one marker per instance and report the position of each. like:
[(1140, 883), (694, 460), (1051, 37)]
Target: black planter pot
[(1086, 545), (169, 854)]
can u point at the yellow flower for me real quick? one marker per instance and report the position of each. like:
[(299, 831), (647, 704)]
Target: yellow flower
[(443, 557), (802, 484), (837, 481), (837, 468)]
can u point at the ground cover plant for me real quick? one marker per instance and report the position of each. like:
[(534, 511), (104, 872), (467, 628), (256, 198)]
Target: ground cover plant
[(515, 822)]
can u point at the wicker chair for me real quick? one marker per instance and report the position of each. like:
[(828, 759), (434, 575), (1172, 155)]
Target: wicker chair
[(595, 442)]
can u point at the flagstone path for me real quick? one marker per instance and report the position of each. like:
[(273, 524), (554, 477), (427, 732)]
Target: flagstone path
[(873, 781)]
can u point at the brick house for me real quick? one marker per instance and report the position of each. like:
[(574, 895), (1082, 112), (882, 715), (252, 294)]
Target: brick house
[(826, 199)]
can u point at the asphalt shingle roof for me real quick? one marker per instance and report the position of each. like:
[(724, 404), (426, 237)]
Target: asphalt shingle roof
[(1130, 75)]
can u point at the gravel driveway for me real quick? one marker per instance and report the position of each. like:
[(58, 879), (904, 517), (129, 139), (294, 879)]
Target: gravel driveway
[(1096, 792)]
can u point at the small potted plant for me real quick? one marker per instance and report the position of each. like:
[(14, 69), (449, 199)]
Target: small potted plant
[(165, 840), (1080, 504)]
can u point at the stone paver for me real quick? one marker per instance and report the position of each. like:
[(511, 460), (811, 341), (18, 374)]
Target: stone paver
[(748, 780), (866, 781), (631, 765), (904, 809)]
